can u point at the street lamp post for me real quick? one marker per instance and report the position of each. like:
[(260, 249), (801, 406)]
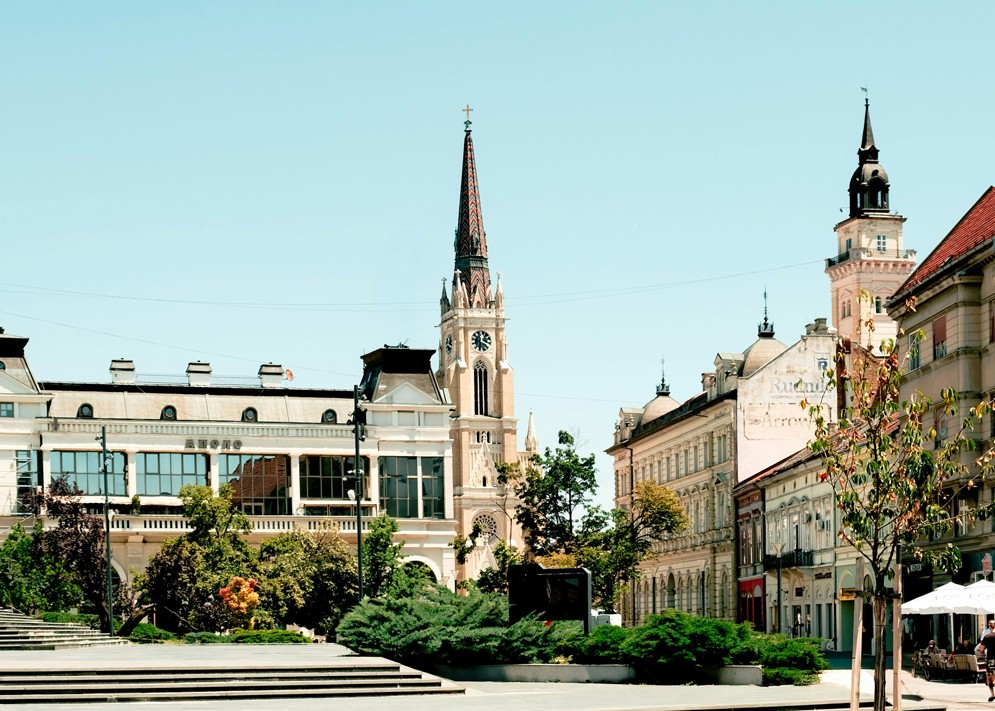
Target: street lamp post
[(359, 432), (778, 547), (107, 530)]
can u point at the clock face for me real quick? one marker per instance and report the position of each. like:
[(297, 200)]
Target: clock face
[(449, 344), (481, 340)]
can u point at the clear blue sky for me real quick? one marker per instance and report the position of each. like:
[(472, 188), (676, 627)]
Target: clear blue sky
[(282, 178)]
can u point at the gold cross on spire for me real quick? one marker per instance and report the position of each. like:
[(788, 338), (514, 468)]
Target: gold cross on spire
[(467, 111)]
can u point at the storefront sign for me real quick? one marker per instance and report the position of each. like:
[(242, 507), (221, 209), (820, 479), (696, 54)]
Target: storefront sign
[(221, 444)]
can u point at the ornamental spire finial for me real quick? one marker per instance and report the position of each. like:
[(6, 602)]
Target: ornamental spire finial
[(466, 124)]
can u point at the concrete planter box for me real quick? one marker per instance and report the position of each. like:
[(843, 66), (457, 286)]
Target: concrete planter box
[(564, 673), (739, 674)]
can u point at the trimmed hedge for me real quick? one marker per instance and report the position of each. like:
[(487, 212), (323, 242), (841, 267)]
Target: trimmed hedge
[(436, 626), (676, 648), (146, 633), (71, 617), (247, 637)]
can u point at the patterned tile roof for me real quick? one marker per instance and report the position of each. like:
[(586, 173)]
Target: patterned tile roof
[(976, 227)]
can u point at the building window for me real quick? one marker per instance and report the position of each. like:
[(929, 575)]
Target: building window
[(432, 488), (399, 486), (162, 473), (480, 389), (849, 243), (6, 409), (940, 337), (85, 410), (260, 484), (332, 477), (329, 417), (3, 366), (878, 306), (27, 479), (882, 243), (168, 413), (249, 414), (83, 470), (913, 352)]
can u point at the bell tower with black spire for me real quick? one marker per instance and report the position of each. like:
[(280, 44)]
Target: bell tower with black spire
[(473, 365), (871, 261)]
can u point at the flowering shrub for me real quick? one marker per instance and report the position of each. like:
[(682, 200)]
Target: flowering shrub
[(241, 599)]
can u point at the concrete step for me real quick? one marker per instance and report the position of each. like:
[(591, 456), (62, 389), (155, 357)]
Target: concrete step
[(20, 632), (59, 686)]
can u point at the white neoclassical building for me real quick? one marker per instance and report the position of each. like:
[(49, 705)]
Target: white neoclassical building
[(288, 452)]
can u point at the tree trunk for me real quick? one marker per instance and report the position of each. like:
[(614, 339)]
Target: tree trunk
[(132, 622), (880, 629)]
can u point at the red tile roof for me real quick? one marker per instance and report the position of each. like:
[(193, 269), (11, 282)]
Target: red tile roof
[(976, 227)]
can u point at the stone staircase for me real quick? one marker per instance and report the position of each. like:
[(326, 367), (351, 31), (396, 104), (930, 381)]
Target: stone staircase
[(350, 677), (20, 632)]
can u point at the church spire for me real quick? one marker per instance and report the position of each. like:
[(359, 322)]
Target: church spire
[(869, 184), (766, 329), (471, 240), (662, 388), (867, 147)]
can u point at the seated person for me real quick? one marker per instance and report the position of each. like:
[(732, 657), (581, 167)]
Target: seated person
[(965, 647), (931, 648)]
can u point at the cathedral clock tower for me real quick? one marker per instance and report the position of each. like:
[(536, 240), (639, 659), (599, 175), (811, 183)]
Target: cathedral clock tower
[(871, 262), (473, 365)]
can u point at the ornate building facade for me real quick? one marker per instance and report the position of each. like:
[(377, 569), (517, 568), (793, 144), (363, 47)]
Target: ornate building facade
[(745, 418)]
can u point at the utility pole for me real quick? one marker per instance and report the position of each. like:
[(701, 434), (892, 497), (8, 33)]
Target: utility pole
[(359, 433), (107, 529)]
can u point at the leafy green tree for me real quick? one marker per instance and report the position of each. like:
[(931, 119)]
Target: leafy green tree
[(896, 479), (308, 578), (213, 517), (30, 579), (553, 498), (613, 543), (382, 556), (183, 579), (77, 543)]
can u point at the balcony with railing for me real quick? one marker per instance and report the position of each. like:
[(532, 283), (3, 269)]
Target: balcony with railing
[(797, 558), (865, 253)]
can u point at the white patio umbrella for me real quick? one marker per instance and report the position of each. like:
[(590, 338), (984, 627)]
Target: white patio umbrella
[(980, 598), (939, 602)]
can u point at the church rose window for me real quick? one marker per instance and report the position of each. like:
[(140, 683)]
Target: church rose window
[(488, 527)]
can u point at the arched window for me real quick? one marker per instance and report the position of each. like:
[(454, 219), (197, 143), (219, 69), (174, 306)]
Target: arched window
[(168, 413), (671, 591), (85, 410), (877, 195), (249, 414), (329, 417), (480, 389)]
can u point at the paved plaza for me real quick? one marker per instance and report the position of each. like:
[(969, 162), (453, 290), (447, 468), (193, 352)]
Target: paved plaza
[(481, 696)]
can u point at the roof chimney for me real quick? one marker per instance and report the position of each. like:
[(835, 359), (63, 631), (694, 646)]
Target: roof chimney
[(271, 375), (122, 371), (199, 373)]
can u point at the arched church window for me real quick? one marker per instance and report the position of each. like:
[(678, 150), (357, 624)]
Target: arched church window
[(480, 389)]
